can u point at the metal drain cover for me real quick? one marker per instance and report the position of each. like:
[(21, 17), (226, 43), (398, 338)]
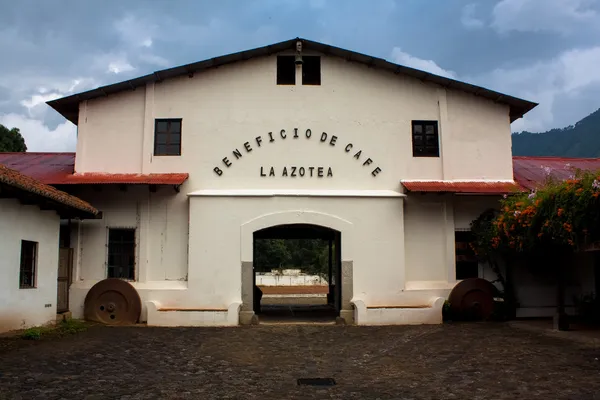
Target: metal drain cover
[(316, 381)]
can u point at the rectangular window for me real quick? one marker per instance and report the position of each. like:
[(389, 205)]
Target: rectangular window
[(311, 70), (286, 70), (167, 137), (121, 253), (27, 271), (425, 139), (467, 265)]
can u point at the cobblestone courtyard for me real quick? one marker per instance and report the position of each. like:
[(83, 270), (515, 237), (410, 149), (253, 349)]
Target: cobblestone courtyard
[(452, 361)]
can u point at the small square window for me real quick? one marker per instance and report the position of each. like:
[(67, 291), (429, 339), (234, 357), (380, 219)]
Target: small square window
[(425, 139), (286, 70), (311, 70), (27, 271), (167, 137)]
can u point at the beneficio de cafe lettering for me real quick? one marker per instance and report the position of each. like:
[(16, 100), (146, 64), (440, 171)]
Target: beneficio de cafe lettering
[(295, 171)]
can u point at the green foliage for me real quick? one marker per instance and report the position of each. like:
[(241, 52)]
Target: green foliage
[(11, 140), (580, 140), (71, 326), (34, 333), (559, 218), (312, 255), (63, 328)]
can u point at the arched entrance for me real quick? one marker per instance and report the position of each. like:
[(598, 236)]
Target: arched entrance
[(297, 269), (336, 264)]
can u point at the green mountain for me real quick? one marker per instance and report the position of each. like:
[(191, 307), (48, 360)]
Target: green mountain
[(579, 140)]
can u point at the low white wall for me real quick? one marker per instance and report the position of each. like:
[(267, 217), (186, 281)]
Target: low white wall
[(23, 308), (269, 279)]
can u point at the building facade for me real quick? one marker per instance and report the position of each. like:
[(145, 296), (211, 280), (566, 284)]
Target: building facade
[(189, 164), (30, 275)]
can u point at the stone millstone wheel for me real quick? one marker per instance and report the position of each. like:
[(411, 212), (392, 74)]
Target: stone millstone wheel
[(472, 299), (113, 301)]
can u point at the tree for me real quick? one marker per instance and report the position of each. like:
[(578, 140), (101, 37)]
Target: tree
[(545, 227), (11, 140)]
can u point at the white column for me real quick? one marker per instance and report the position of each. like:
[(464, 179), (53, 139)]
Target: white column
[(444, 132), (148, 135), (81, 138), (76, 244), (143, 228), (450, 239)]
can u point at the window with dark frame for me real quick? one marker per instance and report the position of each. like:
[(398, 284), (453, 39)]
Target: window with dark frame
[(286, 70), (167, 137), (311, 70), (121, 253), (467, 265), (27, 270), (425, 139)]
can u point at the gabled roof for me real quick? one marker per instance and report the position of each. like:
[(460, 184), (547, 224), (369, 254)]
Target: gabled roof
[(14, 184), (69, 106)]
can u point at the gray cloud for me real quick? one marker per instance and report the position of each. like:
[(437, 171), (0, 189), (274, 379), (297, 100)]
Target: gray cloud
[(469, 18), (563, 16), (528, 48)]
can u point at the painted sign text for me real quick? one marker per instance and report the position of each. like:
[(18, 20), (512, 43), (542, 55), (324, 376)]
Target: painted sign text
[(296, 171)]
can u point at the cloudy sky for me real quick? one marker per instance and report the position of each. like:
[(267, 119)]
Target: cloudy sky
[(547, 51)]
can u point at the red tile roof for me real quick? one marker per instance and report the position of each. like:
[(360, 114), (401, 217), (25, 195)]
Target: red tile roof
[(100, 178), (59, 169), (530, 172), (26, 183), (479, 187), (48, 168)]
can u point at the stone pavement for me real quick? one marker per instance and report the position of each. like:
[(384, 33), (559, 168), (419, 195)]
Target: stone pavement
[(451, 361), (583, 334)]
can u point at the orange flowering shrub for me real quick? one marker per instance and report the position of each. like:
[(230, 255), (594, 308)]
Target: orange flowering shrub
[(557, 215)]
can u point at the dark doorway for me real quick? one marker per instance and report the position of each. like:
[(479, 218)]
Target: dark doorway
[(297, 273)]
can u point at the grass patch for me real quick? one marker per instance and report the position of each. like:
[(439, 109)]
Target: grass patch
[(63, 328)]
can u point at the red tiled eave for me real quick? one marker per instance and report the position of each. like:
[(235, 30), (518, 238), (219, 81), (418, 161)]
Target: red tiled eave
[(59, 169), (130, 179), (26, 183), (474, 187)]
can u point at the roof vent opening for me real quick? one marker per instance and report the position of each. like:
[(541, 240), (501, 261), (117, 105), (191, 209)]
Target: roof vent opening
[(286, 70), (311, 70)]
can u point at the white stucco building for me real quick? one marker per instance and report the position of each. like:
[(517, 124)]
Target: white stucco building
[(189, 164), (30, 214)]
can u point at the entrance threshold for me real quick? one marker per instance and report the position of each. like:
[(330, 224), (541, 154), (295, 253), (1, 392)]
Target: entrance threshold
[(284, 314)]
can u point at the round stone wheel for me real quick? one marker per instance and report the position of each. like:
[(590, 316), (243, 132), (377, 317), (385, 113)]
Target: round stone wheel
[(472, 299), (113, 301)]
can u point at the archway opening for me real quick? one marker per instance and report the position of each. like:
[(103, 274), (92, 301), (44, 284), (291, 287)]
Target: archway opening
[(297, 273)]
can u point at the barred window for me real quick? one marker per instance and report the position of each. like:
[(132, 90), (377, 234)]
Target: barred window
[(27, 272), (121, 253)]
